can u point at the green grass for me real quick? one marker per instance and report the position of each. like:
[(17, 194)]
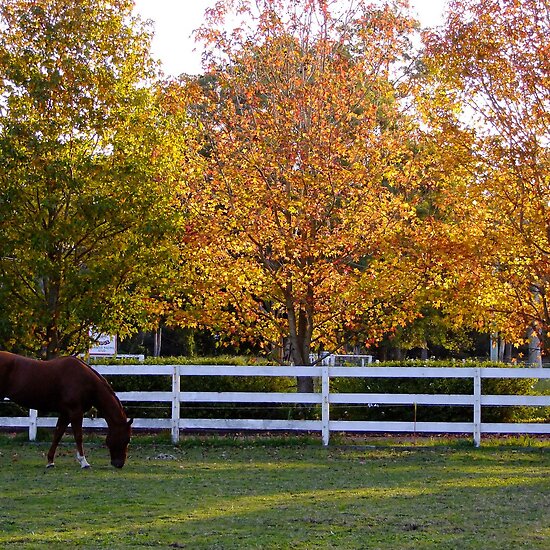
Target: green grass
[(232, 493)]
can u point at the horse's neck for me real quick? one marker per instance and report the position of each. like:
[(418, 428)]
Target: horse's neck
[(108, 405)]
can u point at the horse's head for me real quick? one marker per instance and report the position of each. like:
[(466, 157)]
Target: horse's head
[(117, 440)]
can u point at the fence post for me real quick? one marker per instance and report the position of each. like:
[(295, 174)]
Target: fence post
[(33, 415), (477, 407), (176, 403), (325, 404)]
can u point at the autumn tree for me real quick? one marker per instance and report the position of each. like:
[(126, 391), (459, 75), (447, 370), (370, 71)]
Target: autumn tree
[(304, 224), (85, 194), (490, 98)]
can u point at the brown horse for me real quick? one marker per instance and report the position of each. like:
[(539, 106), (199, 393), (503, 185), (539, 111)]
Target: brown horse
[(70, 387)]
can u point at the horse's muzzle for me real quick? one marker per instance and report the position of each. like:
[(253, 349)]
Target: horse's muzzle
[(117, 463)]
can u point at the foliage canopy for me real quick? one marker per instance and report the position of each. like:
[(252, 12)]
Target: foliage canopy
[(83, 194)]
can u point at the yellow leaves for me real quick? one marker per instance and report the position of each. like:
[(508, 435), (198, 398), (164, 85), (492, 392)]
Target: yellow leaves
[(486, 65), (321, 195)]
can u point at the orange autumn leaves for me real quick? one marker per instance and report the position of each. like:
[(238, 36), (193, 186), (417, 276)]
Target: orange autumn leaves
[(309, 199), (350, 179), (491, 62)]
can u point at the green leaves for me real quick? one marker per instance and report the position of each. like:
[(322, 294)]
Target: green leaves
[(83, 212)]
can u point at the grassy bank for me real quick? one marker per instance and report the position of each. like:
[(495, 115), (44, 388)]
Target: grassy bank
[(276, 494)]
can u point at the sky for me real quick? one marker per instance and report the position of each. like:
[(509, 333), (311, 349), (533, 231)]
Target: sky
[(175, 20)]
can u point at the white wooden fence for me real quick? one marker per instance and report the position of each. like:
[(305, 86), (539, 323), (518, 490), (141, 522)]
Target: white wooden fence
[(324, 398)]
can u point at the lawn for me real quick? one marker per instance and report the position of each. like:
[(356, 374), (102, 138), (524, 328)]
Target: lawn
[(267, 493)]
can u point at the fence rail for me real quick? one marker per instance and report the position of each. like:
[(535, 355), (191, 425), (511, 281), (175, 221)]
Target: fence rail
[(324, 398)]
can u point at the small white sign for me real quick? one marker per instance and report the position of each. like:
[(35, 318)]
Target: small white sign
[(105, 346)]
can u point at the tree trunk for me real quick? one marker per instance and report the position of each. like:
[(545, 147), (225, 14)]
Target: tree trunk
[(50, 287), (508, 353), (301, 329), (535, 358), (493, 348), (305, 384), (157, 344)]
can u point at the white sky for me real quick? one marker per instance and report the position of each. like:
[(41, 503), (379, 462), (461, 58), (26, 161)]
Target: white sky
[(175, 20)]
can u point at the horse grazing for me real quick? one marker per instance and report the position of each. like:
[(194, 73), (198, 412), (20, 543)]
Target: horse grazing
[(70, 387)]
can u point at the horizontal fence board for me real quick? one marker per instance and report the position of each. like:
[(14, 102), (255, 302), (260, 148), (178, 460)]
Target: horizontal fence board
[(394, 426), (495, 372), (250, 424), (94, 423), (149, 396), (49, 422), (14, 421), (222, 370), (139, 423), (152, 423), (511, 400), (499, 427), (400, 399), (401, 372), (250, 397), (125, 370)]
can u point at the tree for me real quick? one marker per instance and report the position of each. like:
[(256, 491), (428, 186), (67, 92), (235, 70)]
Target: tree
[(304, 225), (490, 64), (85, 173)]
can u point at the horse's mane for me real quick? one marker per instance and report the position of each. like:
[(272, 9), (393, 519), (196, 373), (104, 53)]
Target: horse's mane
[(103, 382)]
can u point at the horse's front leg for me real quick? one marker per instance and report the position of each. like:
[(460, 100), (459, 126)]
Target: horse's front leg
[(76, 423), (61, 427)]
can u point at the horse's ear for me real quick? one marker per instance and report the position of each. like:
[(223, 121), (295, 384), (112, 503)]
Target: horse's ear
[(130, 421)]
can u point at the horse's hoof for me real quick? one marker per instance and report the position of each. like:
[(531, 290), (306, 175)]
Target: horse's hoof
[(50, 465), (85, 467)]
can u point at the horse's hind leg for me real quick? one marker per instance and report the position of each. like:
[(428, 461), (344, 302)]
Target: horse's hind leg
[(61, 427), (76, 423)]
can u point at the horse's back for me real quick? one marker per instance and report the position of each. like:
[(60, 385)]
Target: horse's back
[(44, 385)]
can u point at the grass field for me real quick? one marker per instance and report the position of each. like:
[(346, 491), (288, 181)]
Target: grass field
[(264, 493)]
